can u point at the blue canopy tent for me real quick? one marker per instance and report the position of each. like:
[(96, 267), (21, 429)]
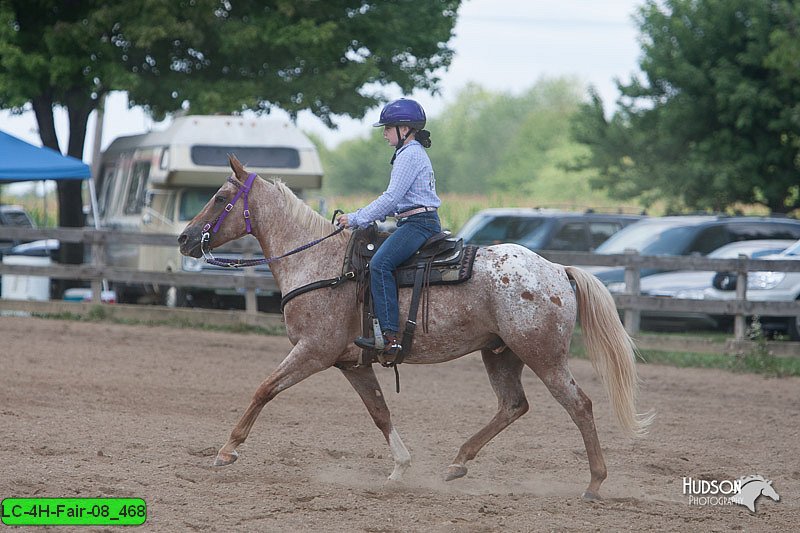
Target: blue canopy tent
[(20, 161)]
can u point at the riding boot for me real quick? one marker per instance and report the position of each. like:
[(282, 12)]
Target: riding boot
[(391, 345)]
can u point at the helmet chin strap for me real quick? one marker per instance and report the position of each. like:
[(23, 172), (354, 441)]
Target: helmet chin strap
[(400, 142)]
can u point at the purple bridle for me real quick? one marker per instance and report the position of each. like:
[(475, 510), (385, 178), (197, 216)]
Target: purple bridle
[(244, 191)]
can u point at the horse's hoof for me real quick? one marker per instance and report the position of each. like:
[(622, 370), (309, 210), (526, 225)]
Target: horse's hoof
[(394, 476), (590, 496), (224, 459), (455, 472)]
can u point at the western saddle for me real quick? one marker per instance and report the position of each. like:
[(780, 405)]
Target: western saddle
[(442, 260)]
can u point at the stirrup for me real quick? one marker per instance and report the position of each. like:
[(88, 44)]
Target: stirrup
[(390, 347), (389, 355)]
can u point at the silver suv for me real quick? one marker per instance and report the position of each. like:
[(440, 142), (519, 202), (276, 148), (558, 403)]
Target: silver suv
[(544, 229), (689, 235), (765, 286)]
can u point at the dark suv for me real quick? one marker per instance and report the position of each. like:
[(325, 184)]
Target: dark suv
[(12, 215), (689, 235), (544, 229)]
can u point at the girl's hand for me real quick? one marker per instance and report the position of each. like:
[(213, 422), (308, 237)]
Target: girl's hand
[(342, 221)]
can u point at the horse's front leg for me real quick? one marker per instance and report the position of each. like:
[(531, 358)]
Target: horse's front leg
[(366, 385), (301, 363)]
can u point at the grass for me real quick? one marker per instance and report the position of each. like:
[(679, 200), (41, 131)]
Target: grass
[(752, 363), (759, 361), (43, 212)]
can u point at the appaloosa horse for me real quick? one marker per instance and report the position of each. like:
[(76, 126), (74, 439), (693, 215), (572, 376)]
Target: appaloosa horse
[(518, 309)]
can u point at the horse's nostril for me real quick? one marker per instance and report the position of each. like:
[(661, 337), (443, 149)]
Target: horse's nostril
[(183, 238)]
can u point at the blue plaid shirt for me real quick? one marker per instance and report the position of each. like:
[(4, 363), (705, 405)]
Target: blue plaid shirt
[(412, 184)]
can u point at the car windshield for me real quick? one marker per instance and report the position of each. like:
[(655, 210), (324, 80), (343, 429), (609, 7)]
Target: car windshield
[(657, 237), (733, 250), (505, 229), (13, 217)]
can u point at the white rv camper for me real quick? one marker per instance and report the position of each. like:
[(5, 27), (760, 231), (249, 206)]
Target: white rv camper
[(158, 181)]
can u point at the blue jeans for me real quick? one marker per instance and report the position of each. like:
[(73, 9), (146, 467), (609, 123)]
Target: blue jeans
[(411, 233)]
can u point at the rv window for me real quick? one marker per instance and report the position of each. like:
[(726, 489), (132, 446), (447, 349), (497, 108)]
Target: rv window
[(136, 189), (252, 156), (164, 163), (160, 206), (193, 200), (105, 186)]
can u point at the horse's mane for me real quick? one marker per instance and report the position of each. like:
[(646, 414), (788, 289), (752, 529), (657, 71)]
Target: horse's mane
[(300, 212)]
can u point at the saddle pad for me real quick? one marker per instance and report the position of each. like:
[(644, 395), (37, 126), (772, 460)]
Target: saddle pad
[(442, 275)]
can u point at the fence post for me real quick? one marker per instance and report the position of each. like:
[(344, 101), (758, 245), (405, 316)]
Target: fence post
[(632, 286), (98, 242), (740, 320), (250, 300)]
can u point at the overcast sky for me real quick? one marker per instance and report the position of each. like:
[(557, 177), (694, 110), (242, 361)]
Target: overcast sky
[(502, 45)]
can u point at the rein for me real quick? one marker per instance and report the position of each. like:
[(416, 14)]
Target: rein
[(244, 191)]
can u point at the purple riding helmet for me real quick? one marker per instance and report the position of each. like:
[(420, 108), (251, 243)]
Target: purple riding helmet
[(402, 112)]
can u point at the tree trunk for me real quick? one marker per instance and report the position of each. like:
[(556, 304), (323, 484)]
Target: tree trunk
[(70, 197), (43, 108)]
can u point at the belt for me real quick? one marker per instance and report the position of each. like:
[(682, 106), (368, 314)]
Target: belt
[(414, 211)]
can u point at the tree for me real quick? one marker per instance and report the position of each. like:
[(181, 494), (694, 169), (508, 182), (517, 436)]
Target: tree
[(716, 120), (358, 165), (472, 137), (329, 57), (540, 136), (482, 142)]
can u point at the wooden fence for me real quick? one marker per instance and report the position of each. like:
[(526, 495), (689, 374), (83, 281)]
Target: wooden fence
[(97, 271), (632, 303)]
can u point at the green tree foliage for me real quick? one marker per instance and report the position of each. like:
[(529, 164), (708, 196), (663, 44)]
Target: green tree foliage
[(470, 139), (358, 165), (716, 119), (537, 146), (483, 143), (330, 57)]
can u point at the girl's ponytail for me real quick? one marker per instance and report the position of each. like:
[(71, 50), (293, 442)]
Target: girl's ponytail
[(424, 138)]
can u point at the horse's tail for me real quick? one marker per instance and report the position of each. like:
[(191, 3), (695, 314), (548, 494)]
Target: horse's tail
[(610, 349)]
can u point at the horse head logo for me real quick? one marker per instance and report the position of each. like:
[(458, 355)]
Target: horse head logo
[(752, 488)]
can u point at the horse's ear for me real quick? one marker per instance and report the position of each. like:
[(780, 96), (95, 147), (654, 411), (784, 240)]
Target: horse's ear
[(237, 167)]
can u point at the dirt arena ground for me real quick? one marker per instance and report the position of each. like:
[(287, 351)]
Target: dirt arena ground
[(103, 410)]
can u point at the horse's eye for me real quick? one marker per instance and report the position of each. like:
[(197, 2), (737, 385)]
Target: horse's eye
[(220, 199)]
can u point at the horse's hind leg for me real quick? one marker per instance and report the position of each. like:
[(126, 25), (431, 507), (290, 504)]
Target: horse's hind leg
[(565, 390), (505, 371), (297, 366), (366, 385)]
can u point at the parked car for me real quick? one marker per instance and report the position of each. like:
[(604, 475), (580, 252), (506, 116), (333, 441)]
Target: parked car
[(12, 215), (544, 229), (688, 235), (766, 286), (28, 286), (692, 284), (42, 248)]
